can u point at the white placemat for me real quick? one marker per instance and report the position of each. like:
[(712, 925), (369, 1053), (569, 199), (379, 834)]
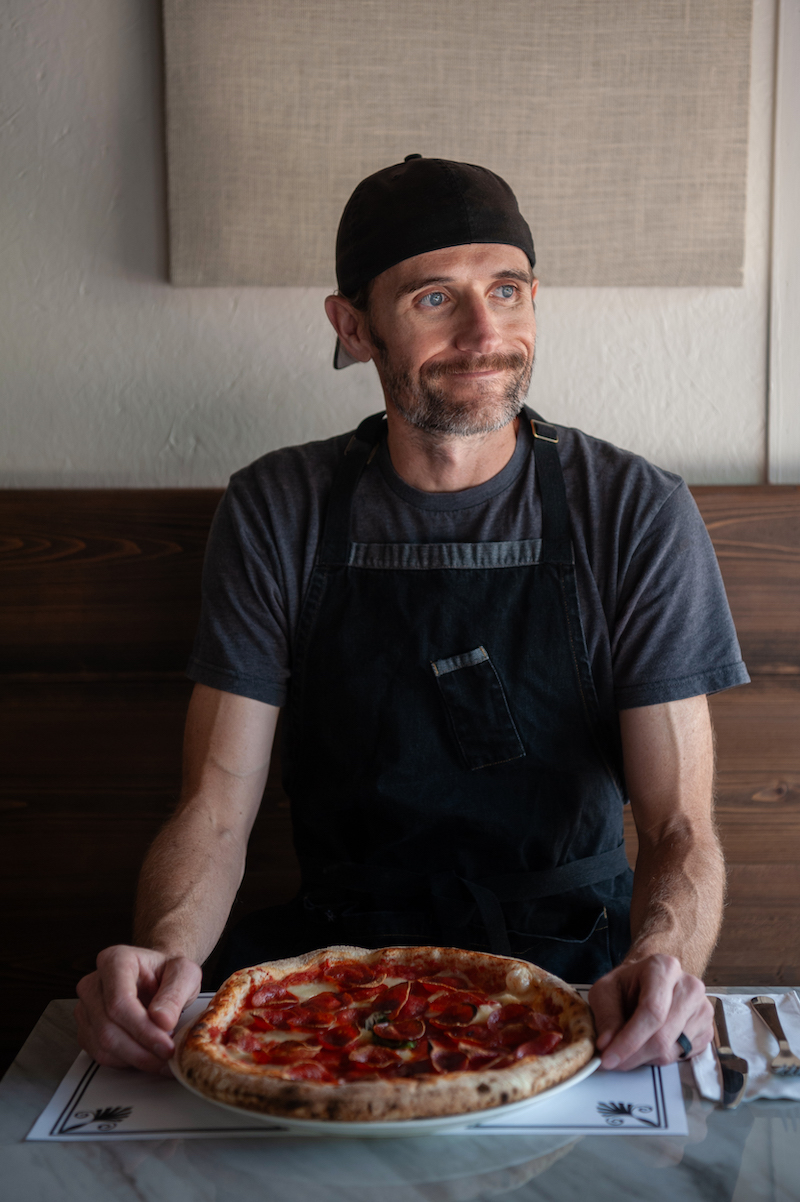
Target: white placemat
[(96, 1103), (750, 1039)]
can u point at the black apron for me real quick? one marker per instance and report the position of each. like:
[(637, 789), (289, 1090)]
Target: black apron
[(451, 779)]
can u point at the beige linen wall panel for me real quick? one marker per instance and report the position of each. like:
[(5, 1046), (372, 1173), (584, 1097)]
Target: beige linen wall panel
[(621, 125)]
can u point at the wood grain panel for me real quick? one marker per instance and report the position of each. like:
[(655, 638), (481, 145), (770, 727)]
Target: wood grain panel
[(101, 579), (756, 535), (101, 735)]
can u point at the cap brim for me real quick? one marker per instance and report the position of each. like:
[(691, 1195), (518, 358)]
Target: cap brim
[(341, 358)]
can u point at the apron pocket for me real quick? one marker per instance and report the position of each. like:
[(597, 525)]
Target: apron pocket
[(580, 960), (477, 709)]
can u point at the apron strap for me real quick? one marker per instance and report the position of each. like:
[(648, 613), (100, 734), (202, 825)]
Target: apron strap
[(335, 541), (445, 890), (556, 532)]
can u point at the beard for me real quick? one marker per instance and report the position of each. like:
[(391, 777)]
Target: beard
[(426, 404)]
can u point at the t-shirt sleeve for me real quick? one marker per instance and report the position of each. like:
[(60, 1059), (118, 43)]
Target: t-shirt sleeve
[(242, 640), (673, 635)]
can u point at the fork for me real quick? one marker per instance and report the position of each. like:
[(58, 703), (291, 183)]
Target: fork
[(785, 1064)]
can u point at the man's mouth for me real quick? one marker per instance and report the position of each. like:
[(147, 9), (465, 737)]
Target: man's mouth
[(480, 366)]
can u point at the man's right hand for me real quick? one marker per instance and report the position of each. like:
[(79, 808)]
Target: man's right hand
[(131, 1004)]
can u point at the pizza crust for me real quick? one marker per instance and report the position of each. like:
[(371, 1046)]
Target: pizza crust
[(208, 1067)]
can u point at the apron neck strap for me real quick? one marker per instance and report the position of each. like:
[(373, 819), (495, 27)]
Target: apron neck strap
[(358, 453), (555, 510)]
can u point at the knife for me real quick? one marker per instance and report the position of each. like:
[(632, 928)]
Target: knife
[(734, 1068)]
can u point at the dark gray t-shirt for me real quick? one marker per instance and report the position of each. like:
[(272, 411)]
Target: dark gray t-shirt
[(654, 610)]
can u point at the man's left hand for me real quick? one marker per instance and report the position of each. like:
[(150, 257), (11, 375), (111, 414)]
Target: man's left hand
[(640, 1009)]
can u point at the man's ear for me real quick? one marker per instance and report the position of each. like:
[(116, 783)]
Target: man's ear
[(534, 288), (350, 325)]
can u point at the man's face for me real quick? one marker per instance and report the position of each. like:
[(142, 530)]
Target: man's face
[(453, 333)]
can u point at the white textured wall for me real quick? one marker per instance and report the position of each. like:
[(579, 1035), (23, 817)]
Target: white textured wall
[(112, 377)]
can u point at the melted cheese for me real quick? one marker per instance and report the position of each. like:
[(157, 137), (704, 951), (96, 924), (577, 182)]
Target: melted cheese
[(305, 991), (278, 1036)]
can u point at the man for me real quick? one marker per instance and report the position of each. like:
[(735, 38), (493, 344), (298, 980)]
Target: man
[(488, 633)]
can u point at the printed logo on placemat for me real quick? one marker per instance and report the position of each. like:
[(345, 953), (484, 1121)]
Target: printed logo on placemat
[(105, 1118), (615, 1113)]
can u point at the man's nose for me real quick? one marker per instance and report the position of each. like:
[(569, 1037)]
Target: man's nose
[(477, 329)]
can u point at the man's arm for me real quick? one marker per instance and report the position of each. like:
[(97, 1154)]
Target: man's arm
[(130, 1005), (654, 995)]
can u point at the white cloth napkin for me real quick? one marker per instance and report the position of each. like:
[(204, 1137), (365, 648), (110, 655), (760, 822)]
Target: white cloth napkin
[(750, 1039)]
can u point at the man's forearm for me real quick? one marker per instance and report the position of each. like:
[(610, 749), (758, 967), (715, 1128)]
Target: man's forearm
[(194, 868), (678, 893), (679, 882), (188, 884)]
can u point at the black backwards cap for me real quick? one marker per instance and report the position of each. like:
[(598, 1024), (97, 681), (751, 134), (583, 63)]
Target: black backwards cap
[(417, 206)]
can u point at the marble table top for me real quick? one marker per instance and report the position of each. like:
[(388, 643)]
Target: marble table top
[(751, 1154)]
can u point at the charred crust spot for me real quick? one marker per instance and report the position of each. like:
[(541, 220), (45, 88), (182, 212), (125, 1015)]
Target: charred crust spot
[(483, 1087), (503, 1097)]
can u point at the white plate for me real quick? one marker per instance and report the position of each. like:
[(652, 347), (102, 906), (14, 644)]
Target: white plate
[(385, 1130)]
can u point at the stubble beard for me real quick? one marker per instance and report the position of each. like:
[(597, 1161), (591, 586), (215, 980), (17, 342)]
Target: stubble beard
[(425, 404)]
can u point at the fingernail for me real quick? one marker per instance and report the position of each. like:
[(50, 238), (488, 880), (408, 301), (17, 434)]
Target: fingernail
[(611, 1061)]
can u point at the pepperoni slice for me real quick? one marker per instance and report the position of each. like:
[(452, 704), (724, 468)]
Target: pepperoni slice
[(288, 1051), (257, 1023), (373, 1055), (541, 1045), (400, 1031), (348, 974), (454, 997), (447, 1060), (272, 991), (481, 1057), (446, 981), (513, 1013), (458, 1015), (241, 1038), (416, 1004), (275, 1017), (340, 1036), (395, 998), (512, 1035), (305, 1016), (305, 976), (327, 1001), (477, 1035), (541, 1022), (503, 1060), (366, 993)]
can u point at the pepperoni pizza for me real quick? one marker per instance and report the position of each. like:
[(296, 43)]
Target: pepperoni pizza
[(347, 1034)]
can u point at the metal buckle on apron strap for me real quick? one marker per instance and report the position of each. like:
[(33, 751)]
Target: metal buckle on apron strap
[(536, 426)]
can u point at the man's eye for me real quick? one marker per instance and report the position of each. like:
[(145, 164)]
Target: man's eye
[(507, 291), (433, 300)]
